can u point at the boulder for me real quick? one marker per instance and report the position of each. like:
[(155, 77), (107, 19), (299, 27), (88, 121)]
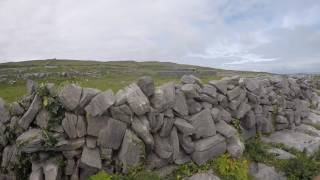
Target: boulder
[(69, 145), (146, 84), (193, 106), (95, 124), (249, 120), (122, 113), (91, 158), (166, 127), (190, 90), (180, 104), (43, 118), (163, 147), (4, 112), (143, 131), (225, 129), (292, 139), (203, 124), (186, 143), (15, 109), (203, 176), (51, 170), (30, 115), (208, 148), (225, 116), (190, 79), (154, 162), (37, 175), (242, 110), (70, 96), (280, 154), (121, 97), (87, 95), (111, 136), (164, 97), (30, 141), (132, 151), (136, 99), (70, 165), (175, 143), (220, 85), (9, 156), (31, 87), (261, 171), (100, 103), (74, 125), (184, 127), (156, 121), (209, 90), (235, 147), (235, 92)]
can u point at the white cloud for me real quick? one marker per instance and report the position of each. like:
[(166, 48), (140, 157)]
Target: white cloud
[(240, 34)]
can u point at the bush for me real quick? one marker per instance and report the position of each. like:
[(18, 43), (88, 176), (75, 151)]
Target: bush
[(231, 169), (102, 175)]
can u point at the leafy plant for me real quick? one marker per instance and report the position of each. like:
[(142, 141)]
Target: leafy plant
[(236, 124), (232, 169), (102, 175)]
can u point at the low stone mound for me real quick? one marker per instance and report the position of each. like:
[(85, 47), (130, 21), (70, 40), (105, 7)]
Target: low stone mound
[(75, 132)]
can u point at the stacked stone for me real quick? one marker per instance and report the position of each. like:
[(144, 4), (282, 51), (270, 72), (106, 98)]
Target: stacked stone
[(170, 124)]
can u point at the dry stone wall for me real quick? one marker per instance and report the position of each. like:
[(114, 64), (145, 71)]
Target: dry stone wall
[(74, 132)]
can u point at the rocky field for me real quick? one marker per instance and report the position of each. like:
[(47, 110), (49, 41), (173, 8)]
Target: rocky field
[(263, 128)]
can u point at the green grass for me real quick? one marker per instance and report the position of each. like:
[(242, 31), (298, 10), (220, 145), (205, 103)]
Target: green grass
[(11, 93)]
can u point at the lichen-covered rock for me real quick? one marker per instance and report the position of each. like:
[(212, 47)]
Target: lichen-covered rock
[(203, 124), (70, 96), (163, 147), (208, 148), (142, 130), (74, 125), (91, 158), (184, 127), (52, 170), (132, 151), (30, 115), (235, 146), (164, 97), (95, 124), (136, 99), (225, 129), (111, 136), (180, 105), (87, 95), (43, 118), (100, 103), (122, 113), (30, 141), (146, 84), (16, 109)]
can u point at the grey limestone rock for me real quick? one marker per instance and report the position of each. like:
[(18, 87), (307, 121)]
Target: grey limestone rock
[(163, 147), (87, 95), (203, 176), (235, 147), (261, 171), (208, 148), (30, 115), (122, 113), (95, 124), (74, 125), (30, 141), (164, 97), (184, 126), (180, 105), (91, 158), (203, 124), (225, 129), (111, 136), (100, 103), (146, 84), (132, 151), (136, 99), (43, 118), (70, 96), (142, 130)]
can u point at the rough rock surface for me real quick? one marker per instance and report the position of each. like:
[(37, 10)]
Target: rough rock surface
[(100, 103), (70, 96), (137, 101)]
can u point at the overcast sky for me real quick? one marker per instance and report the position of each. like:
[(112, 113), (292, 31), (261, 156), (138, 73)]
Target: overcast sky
[(280, 36)]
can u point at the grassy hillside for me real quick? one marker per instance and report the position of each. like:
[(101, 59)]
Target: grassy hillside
[(102, 75)]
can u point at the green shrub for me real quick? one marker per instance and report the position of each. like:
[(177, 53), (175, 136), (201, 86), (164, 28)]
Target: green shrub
[(302, 167), (102, 175), (257, 151), (231, 169)]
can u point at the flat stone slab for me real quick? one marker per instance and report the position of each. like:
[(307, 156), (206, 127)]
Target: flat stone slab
[(293, 139), (281, 154)]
